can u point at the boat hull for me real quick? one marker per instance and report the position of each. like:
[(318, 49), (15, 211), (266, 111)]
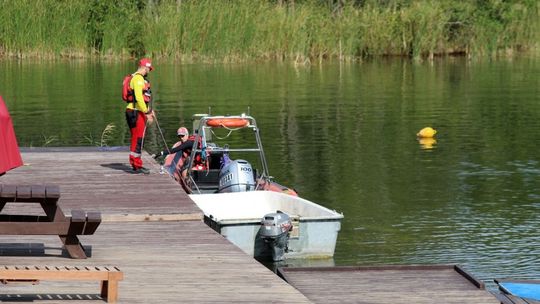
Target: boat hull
[(237, 216), (524, 289)]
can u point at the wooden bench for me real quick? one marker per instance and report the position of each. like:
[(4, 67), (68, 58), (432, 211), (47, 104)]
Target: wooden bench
[(109, 276), (53, 223)]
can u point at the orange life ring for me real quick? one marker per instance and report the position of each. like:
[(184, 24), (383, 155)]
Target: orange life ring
[(227, 122)]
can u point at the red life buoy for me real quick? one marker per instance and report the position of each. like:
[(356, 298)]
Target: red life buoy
[(227, 122)]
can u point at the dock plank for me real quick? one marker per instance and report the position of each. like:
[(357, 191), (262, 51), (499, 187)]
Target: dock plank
[(439, 284), (93, 179), (163, 262)]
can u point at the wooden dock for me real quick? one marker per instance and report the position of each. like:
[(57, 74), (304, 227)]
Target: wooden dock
[(151, 230), (102, 180), (388, 284)]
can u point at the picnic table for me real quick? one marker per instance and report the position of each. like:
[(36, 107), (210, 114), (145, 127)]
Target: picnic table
[(54, 222)]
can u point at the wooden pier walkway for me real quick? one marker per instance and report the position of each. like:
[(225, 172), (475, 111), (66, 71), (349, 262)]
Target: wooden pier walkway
[(151, 230), (93, 179), (388, 284)]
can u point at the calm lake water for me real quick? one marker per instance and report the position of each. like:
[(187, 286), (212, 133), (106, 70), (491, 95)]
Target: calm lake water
[(344, 137)]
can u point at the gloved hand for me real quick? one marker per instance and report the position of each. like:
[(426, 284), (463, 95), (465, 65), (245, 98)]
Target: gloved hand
[(158, 155)]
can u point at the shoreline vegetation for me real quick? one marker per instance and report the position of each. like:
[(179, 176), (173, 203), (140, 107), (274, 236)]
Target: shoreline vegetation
[(302, 31)]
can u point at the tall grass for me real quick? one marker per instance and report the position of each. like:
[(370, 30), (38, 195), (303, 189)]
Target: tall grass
[(43, 27), (107, 134), (301, 30)]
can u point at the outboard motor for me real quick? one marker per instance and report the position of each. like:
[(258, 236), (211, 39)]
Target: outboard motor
[(275, 228), (236, 176)]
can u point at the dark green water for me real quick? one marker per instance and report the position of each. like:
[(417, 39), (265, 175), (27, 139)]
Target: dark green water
[(344, 137)]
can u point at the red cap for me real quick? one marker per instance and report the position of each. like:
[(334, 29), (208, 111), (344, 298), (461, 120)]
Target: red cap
[(145, 62)]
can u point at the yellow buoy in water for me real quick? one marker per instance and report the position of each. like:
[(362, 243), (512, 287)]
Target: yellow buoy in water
[(427, 132)]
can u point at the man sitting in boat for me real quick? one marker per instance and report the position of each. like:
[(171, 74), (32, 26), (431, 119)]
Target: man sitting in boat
[(175, 158)]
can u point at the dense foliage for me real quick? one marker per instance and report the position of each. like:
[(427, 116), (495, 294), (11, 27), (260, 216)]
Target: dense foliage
[(301, 30)]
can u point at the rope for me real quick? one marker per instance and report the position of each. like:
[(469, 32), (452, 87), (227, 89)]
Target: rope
[(161, 133), (231, 129), (229, 134)]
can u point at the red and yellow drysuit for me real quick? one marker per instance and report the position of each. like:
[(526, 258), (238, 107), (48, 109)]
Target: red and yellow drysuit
[(136, 117)]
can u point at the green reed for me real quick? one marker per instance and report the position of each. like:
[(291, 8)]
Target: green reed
[(300, 30), (43, 27)]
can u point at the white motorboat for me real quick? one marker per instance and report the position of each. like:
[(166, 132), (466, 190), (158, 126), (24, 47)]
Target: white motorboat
[(241, 201)]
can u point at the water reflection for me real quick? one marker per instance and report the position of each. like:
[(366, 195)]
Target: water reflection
[(427, 143)]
